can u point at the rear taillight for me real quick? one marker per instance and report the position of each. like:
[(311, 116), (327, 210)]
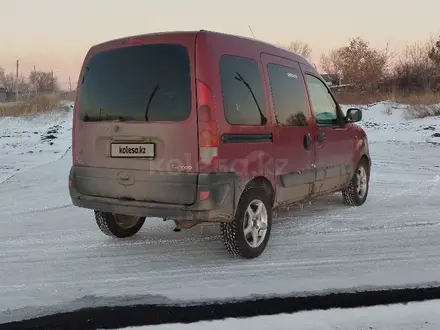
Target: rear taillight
[(208, 129), (73, 136)]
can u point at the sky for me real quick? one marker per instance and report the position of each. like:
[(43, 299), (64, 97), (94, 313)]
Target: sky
[(56, 34)]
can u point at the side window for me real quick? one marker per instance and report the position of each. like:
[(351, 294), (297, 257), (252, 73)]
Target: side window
[(323, 105), (289, 95), (243, 96)]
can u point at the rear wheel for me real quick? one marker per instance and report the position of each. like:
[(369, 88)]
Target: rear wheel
[(356, 193), (118, 225), (247, 235)]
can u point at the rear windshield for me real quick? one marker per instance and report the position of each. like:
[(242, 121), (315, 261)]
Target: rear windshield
[(139, 83)]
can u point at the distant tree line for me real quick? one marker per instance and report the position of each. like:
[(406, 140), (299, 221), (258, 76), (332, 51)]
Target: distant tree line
[(359, 66), (38, 82)]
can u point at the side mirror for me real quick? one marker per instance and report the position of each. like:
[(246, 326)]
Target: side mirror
[(353, 115)]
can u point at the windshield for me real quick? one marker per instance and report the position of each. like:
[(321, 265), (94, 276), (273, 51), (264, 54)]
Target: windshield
[(140, 83)]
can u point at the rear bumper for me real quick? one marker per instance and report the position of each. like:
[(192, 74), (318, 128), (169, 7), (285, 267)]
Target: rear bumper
[(219, 206)]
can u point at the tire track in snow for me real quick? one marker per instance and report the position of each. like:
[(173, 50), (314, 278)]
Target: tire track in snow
[(42, 210), (57, 129), (37, 166)]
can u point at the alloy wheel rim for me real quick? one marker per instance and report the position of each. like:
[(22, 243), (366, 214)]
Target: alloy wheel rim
[(362, 182), (255, 223)]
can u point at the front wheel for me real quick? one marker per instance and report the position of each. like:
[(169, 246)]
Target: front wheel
[(118, 225), (356, 193), (247, 235)]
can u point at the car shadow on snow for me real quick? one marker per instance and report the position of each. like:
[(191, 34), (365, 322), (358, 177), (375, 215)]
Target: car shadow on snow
[(159, 234), (159, 231), (121, 312)]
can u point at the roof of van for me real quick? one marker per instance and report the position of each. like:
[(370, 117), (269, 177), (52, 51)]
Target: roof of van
[(277, 50)]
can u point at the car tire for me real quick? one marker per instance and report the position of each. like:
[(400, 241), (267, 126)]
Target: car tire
[(236, 235), (118, 225), (357, 191)]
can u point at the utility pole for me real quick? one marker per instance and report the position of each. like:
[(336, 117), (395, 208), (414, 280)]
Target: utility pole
[(34, 89), (53, 83), (16, 80), (70, 85)]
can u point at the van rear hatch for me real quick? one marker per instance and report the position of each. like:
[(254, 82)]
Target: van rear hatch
[(135, 125)]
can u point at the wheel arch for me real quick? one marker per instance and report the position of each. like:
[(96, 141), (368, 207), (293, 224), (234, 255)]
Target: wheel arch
[(257, 182), (232, 234), (367, 159)]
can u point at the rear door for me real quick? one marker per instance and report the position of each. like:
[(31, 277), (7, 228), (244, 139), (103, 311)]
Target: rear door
[(333, 145), (134, 120), (246, 144), (293, 147)]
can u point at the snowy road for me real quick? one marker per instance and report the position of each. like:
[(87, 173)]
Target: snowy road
[(421, 316), (52, 253)]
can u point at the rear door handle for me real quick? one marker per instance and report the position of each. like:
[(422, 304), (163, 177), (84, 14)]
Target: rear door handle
[(320, 137), (307, 141)]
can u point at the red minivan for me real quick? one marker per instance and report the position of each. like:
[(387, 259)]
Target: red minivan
[(208, 127)]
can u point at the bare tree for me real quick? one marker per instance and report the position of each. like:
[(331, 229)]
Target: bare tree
[(414, 69), (434, 53), (331, 63), (356, 63), (2, 77), (9, 81), (42, 82), (11, 84), (300, 47)]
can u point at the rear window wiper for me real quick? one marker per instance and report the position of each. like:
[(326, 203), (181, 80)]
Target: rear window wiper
[(240, 78), (85, 74), (149, 101)]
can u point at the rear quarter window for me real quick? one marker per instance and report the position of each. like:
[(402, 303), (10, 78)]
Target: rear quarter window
[(138, 83), (242, 90)]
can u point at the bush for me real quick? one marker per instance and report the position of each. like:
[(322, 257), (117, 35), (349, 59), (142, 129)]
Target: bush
[(415, 71), (422, 111), (418, 105), (360, 98), (356, 63), (368, 97), (32, 106)]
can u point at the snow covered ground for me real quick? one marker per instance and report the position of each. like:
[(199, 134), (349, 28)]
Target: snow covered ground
[(54, 258), (29, 142), (386, 122), (420, 316)]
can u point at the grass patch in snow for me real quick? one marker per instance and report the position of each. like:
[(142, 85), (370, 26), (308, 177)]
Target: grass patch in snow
[(422, 111), (34, 105), (417, 105)]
